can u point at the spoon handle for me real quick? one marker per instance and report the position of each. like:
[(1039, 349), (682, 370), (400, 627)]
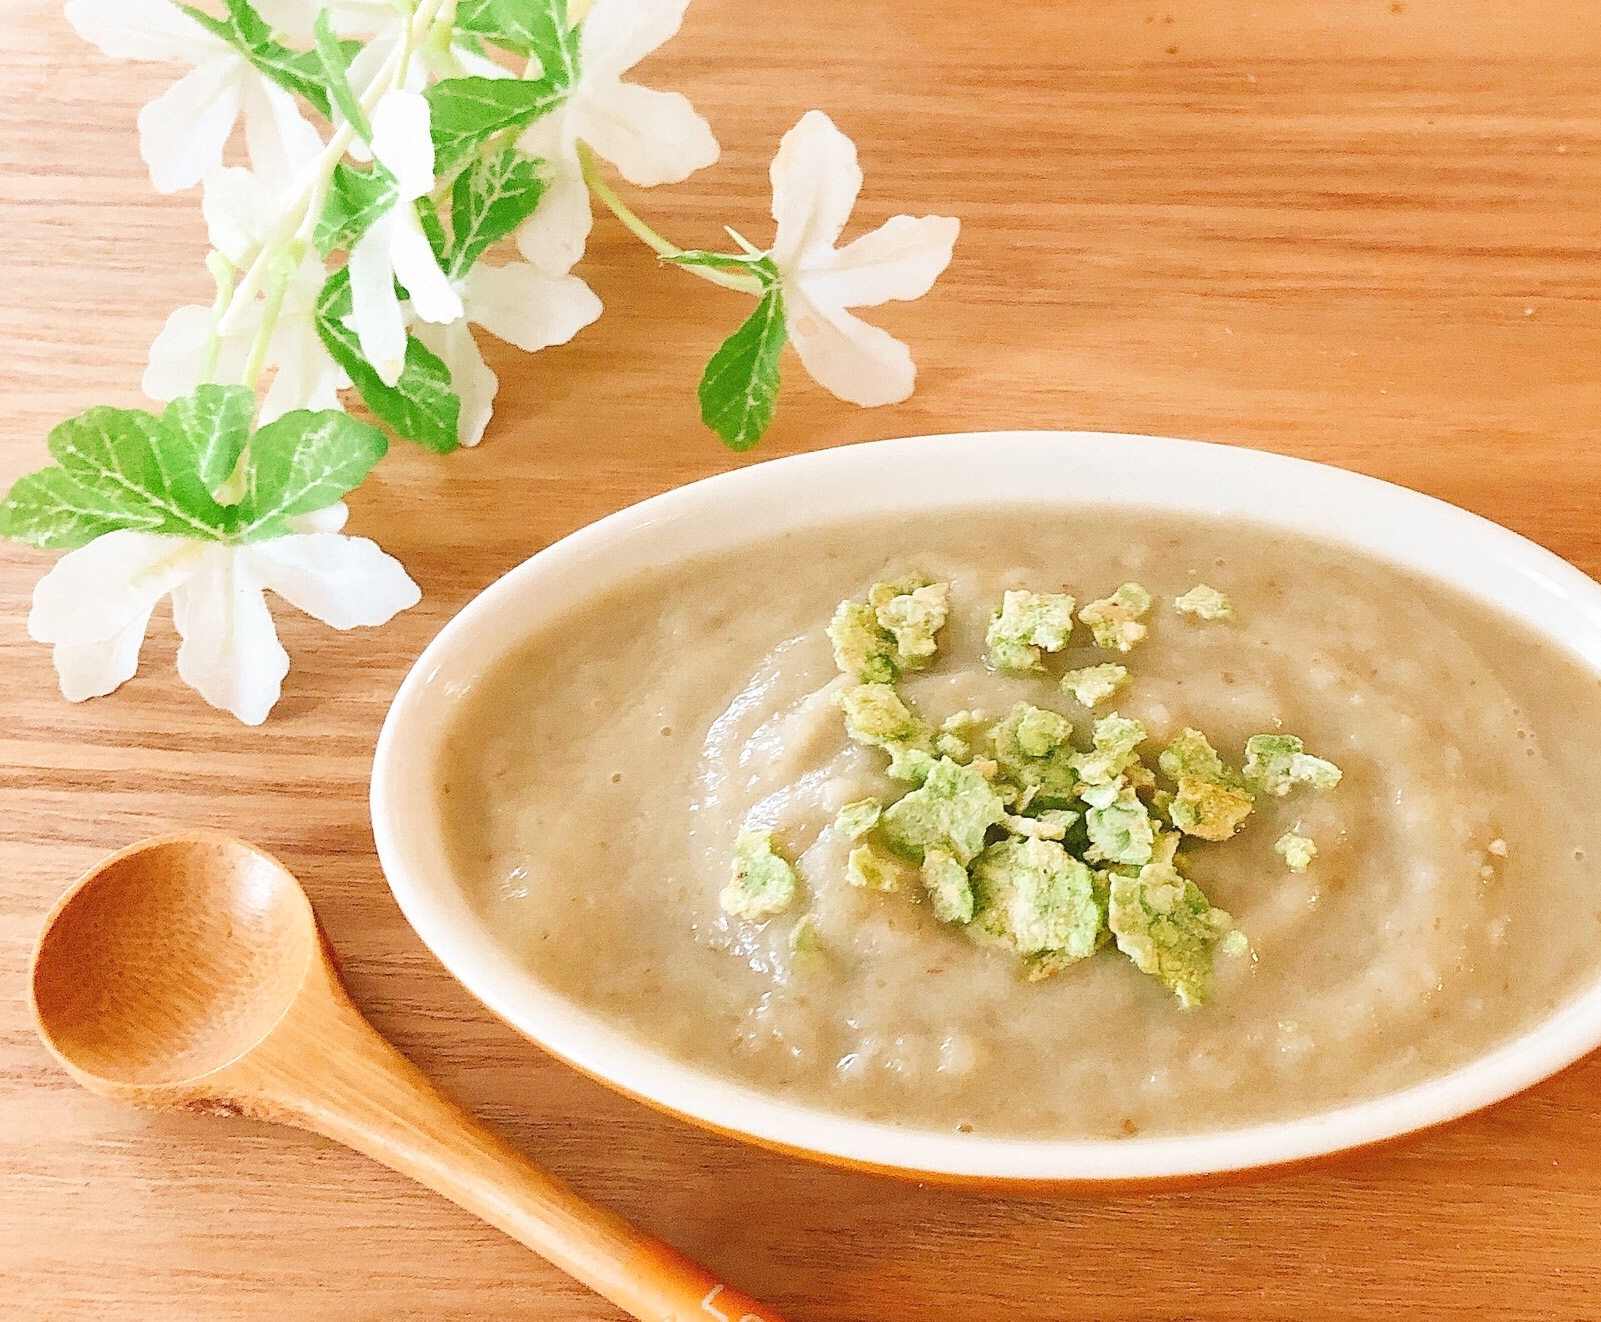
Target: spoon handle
[(328, 1070)]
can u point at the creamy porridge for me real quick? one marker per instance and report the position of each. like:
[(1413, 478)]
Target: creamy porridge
[(1362, 930)]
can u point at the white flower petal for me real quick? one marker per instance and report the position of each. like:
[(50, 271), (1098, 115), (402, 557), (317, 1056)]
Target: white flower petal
[(183, 131), (901, 259), (142, 30), (92, 670), (526, 307), (363, 69), (293, 18), (98, 590), (857, 362), (306, 377), (230, 651), (617, 34), (363, 16), (330, 518), (296, 17), (342, 581), (815, 179), (178, 353), (432, 296), (235, 204), (375, 310), (401, 142), (480, 66), (651, 137), (281, 141), (553, 237), (470, 377)]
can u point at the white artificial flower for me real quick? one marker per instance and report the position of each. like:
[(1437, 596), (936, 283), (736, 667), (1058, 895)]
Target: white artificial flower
[(240, 208), (95, 605), (182, 132), (395, 247), (517, 303), (348, 17), (651, 137), (381, 23), (815, 180)]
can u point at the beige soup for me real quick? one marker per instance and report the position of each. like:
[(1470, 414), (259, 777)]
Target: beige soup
[(596, 780)]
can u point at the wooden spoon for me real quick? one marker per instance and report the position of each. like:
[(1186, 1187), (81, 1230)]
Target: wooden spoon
[(189, 972)]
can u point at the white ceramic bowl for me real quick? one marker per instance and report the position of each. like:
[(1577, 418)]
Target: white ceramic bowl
[(920, 474)]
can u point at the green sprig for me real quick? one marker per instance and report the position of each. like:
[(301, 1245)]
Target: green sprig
[(125, 469), (301, 73), (420, 406)]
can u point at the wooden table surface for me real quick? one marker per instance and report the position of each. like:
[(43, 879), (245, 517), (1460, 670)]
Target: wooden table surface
[(1361, 231)]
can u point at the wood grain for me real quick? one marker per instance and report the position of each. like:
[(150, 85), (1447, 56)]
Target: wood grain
[(187, 973), (1362, 231)]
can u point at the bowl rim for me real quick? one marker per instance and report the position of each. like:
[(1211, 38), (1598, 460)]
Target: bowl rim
[(921, 473)]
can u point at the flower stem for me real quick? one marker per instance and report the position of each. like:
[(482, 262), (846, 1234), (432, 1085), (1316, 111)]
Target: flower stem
[(277, 284), (650, 238), (299, 216), (223, 272)]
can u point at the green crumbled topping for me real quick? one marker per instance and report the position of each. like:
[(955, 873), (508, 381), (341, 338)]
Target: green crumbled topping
[(948, 888), (1205, 603), (1094, 684), (1298, 851), (1062, 817), (1211, 801), (957, 734), (1041, 827), (1039, 730), (1208, 810), (762, 884), (893, 630), (862, 646), (909, 764), (1274, 763), (1191, 756), (1118, 825), (1035, 897), (876, 869), (1027, 624), (855, 820), (1050, 775), (1169, 929), (1116, 738), (952, 810), (875, 714), (1114, 620), (912, 618), (804, 938), (1017, 835)]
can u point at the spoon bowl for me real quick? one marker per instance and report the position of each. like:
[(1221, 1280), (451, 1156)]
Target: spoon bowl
[(171, 960), (189, 972)]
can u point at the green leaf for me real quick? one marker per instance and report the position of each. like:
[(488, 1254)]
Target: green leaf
[(433, 229), (335, 63), (300, 463), (465, 113), (420, 406), (739, 390), (297, 72), (54, 511), (215, 421), (528, 27), (130, 457), (490, 199), (356, 198)]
